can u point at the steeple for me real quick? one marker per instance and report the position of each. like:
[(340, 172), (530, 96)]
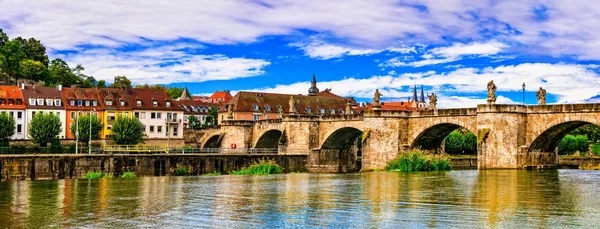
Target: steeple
[(185, 95), (415, 98), (422, 94), (313, 90)]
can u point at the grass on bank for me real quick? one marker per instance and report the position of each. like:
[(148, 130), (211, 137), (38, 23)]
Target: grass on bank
[(419, 161), (261, 168), (215, 173), (97, 175), (128, 175)]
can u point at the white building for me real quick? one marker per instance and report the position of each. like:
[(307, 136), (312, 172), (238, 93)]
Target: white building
[(158, 113), (41, 100), (11, 102)]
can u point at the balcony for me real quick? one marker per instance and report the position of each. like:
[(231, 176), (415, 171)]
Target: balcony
[(172, 120)]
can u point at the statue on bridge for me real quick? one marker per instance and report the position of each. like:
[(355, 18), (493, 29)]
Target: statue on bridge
[(230, 112), (491, 92), (541, 96), (432, 101), (376, 99), (292, 105)]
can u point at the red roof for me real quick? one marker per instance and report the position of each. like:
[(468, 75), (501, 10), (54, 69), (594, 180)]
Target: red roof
[(147, 96), (8, 93), (222, 96), (83, 94)]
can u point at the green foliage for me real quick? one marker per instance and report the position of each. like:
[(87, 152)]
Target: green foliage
[(182, 170), (7, 126), (591, 131), (127, 131), (61, 73), (215, 173), (33, 70), (596, 149), (108, 175), (571, 144), (83, 122), (470, 143), (128, 175), (419, 161), (93, 175), (193, 122), (43, 128), (174, 92), (54, 148), (261, 168), (454, 143), (101, 84), (121, 82), (18, 149)]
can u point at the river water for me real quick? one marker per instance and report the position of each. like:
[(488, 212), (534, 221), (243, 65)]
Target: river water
[(460, 198)]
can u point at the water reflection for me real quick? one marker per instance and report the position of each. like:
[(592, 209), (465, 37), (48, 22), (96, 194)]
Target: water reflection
[(467, 198)]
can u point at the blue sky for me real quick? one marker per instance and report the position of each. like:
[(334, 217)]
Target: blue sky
[(452, 48)]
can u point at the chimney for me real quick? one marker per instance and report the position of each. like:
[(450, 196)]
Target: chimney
[(59, 87), (22, 86)]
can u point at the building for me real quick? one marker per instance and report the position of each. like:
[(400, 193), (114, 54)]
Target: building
[(79, 101), (217, 97), (44, 99), (158, 113), (115, 104), (261, 106), (197, 108), (11, 101)]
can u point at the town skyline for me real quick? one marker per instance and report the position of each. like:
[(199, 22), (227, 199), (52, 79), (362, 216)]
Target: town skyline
[(353, 48)]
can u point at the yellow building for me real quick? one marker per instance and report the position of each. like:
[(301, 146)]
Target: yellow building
[(115, 105)]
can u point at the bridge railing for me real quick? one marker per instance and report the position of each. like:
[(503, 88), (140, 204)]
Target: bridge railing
[(135, 149)]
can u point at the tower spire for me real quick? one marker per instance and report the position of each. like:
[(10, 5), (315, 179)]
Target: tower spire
[(422, 94), (313, 90), (415, 98)]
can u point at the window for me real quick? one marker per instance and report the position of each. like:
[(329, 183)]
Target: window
[(159, 129), (267, 108), (152, 115), (19, 102), (19, 115), (255, 107), (94, 103), (72, 115), (151, 129), (32, 113), (108, 102), (87, 103), (40, 102), (138, 102), (32, 102), (19, 128), (143, 115), (185, 118), (49, 102), (266, 116), (175, 131), (72, 102), (341, 111), (136, 114), (126, 114), (144, 128), (154, 103), (168, 104), (332, 111), (158, 115), (308, 110), (322, 110), (122, 103), (57, 102), (11, 101), (79, 103), (58, 114), (256, 117), (3, 101)]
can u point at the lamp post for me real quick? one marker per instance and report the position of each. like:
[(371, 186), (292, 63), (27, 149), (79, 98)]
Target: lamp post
[(90, 142), (523, 93)]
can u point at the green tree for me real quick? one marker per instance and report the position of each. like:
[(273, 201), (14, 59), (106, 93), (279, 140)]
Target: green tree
[(13, 52), (101, 84), (121, 82), (174, 92), (60, 73), (454, 143), (127, 131), (470, 143), (590, 130), (36, 51), (84, 127), (3, 38), (33, 70), (582, 144), (44, 128), (193, 122), (7, 127)]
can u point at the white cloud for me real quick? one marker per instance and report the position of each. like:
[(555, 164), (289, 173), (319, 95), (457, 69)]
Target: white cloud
[(164, 65), (570, 83), (321, 50)]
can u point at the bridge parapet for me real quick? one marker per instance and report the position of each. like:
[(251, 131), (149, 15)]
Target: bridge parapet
[(501, 108), (446, 112), (237, 123), (564, 108), (329, 118)]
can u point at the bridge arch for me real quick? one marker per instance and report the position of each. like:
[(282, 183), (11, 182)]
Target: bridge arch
[(549, 138), (341, 138), (432, 137), (269, 139), (213, 141)]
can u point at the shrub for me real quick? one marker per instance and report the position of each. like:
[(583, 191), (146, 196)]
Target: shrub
[(93, 175), (261, 168), (7, 127), (215, 173), (127, 131), (182, 170), (454, 143), (56, 149), (44, 128), (470, 143), (17, 149), (128, 175), (419, 161), (596, 149), (72, 148), (567, 146), (582, 144)]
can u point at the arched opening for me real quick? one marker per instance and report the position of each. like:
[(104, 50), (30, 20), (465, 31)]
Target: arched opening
[(576, 138), (340, 152), (213, 142), (447, 138), (269, 140), (548, 140)]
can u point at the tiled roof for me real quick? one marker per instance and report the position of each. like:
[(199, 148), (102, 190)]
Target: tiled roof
[(83, 94), (116, 96), (147, 95), (11, 92), (245, 102), (196, 107), (42, 93)]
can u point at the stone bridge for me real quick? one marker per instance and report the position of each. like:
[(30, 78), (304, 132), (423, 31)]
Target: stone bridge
[(509, 136)]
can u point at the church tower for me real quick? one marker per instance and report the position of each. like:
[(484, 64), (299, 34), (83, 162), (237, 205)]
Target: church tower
[(313, 90)]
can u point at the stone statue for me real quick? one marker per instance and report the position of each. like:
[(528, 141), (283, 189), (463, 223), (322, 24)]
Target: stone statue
[(491, 92), (280, 111), (348, 108), (432, 101), (230, 112), (541, 96), (292, 105), (376, 98)]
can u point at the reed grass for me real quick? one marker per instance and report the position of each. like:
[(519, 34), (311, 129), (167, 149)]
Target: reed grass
[(93, 175), (128, 175), (419, 161), (261, 168)]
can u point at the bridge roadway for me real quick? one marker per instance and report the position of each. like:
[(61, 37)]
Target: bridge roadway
[(509, 136)]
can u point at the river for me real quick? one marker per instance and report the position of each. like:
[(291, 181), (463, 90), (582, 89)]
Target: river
[(459, 198)]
